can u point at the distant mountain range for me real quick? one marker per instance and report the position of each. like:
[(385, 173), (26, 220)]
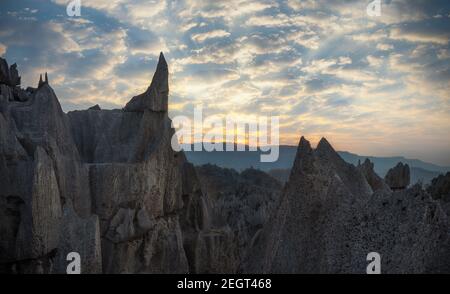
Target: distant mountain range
[(241, 160)]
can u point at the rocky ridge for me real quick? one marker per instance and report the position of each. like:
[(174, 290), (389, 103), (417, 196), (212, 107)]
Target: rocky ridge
[(103, 183), (240, 203), (108, 185), (332, 214)]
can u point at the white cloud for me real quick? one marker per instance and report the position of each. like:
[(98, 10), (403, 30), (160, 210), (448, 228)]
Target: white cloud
[(374, 61), (384, 47), (419, 37), (201, 37)]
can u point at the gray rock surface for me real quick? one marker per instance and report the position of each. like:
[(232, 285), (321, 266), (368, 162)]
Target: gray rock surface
[(9, 76), (439, 189), (155, 98), (240, 204), (103, 183), (108, 185), (398, 177), (329, 219), (375, 182)]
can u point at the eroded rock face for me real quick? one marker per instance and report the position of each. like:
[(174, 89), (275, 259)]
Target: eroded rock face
[(41, 173), (156, 96), (330, 218), (9, 76), (439, 189), (103, 183), (240, 204), (398, 177), (375, 182)]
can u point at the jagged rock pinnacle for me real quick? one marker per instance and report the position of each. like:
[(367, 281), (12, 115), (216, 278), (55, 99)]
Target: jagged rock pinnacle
[(304, 145), (95, 107), (40, 81), (9, 75), (398, 177), (161, 77), (324, 145), (157, 95)]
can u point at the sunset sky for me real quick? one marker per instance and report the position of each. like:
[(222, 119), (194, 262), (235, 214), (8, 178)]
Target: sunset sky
[(371, 85)]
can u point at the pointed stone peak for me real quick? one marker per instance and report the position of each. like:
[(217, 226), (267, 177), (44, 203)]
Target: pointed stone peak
[(303, 157), (43, 82), (304, 144), (161, 62), (157, 95), (398, 177), (95, 107), (368, 164), (9, 75), (160, 79), (40, 81), (325, 146)]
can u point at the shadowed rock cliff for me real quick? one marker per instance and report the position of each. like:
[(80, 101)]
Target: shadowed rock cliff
[(103, 183), (332, 214), (240, 203)]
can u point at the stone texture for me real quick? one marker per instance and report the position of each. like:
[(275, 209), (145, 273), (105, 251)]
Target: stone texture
[(375, 182), (329, 219), (398, 177), (14, 75), (9, 75), (95, 107), (108, 185), (155, 98), (239, 204), (439, 189), (103, 183), (4, 72)]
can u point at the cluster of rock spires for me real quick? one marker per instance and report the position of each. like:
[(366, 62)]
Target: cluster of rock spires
[(240, 204), (332, 214), (10, 83), (108, 185), (103, 183)]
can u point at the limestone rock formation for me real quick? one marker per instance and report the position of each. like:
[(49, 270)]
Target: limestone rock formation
[(155, 98), (330, 218), (103, 183), (398, 177), (375, 182), (108, 185), (242, 203), (95, 107), (9, 76), (439, 189)]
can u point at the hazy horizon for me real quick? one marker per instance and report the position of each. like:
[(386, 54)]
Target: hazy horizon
[(375, 86)]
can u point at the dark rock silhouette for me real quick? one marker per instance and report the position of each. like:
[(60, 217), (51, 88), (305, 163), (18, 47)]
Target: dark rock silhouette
[(440, 190), (103, 183), (241, 204), (330, 218), (155, 98), (95, 107), (398, 177), (108, 185), (9, 76), (375, 182)]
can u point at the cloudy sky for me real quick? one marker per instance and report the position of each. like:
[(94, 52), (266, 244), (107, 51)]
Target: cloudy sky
[(371, 85)]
